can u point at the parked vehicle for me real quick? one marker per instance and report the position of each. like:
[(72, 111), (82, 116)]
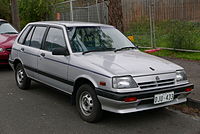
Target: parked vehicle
[(8, 34), (98, 66)]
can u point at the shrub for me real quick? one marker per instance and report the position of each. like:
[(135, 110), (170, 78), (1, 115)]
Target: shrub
[(172, 33), (179, 34), (141, 31)]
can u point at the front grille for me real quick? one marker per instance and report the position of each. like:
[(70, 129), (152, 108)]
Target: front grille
[(8, 49), (159, 83)]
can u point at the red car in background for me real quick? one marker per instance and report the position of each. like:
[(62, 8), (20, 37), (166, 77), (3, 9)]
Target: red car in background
[(8, 35)]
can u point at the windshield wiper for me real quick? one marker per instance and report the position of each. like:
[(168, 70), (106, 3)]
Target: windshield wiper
[(10, 33), (98, 50), (124, 48)]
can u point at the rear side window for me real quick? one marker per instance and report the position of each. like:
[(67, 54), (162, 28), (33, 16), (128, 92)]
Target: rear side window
[(37, 37), (55, 39), (28, 38), (23, 35)]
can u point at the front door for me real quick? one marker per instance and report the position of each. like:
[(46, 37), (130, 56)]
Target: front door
[(52, 69)]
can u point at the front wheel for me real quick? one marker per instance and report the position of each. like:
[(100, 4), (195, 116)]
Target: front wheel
[(88, 104), (23, 82)]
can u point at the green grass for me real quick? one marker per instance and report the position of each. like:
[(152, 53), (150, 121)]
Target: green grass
[(177, 54), (169, 34), (161, 41)]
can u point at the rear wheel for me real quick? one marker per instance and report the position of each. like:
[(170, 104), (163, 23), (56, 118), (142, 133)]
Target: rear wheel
[(88, 104), (23, 82)]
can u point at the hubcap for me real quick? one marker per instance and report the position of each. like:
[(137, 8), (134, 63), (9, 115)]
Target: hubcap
[(20, 76), (86, 103)]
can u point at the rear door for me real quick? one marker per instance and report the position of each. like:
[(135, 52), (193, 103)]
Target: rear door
[(53, 69), (29, 51)]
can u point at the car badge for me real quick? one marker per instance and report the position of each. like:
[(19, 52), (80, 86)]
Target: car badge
[(157, 78)]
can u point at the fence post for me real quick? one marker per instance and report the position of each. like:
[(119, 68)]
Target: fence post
[(88, 13), (71, 10), (152, 23), (97, 11)]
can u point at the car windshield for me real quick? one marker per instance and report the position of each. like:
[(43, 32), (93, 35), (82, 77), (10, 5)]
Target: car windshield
[(83, 39), (6, 28)]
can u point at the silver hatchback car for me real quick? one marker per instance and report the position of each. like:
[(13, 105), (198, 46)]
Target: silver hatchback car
[(98, 66)]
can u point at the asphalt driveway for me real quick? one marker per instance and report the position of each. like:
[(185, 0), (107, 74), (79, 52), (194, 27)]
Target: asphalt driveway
[(44, 110)]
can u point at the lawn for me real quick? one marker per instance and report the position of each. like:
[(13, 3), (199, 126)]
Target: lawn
[(177, 54)]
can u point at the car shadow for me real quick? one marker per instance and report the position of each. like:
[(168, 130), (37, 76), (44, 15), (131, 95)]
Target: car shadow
[(108, 117), (153, 114), (4, 68), (47, 91)]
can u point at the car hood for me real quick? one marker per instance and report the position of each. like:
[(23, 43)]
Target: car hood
[(129, 62), (7, 40)]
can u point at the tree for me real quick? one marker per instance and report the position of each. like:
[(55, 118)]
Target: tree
[(115, 15), (15, 14), (35, 10)]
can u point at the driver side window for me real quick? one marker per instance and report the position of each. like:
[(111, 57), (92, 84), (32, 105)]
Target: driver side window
[(55, 39)]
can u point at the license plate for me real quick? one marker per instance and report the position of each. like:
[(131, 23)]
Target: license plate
[(164, 97)]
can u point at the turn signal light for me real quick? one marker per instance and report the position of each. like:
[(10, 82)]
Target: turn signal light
[(102, 83), (130, 99), (188, 89)]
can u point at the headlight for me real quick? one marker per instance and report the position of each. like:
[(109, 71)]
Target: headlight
[(124, 82), (181, 76), (1, 49)]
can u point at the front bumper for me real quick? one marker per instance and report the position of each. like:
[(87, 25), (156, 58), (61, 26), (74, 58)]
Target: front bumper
[(114, 102)]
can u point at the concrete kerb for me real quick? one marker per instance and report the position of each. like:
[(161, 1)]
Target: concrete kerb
[(193, 103)]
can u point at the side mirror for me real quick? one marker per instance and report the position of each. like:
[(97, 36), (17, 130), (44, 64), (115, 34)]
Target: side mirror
[(60, 51)]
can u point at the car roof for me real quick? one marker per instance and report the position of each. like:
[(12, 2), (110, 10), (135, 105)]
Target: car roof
[(2, 20), (71, 23)]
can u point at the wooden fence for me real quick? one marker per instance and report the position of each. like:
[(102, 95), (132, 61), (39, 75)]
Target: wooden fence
[(135, 10)]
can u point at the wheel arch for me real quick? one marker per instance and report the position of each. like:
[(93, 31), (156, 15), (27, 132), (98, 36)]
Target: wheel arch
[(16, 61), (80, 81)]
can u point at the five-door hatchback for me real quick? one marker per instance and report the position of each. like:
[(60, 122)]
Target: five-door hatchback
[(98, 66)]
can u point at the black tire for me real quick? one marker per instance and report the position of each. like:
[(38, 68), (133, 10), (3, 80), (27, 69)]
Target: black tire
[(95, 113), (23, 82)]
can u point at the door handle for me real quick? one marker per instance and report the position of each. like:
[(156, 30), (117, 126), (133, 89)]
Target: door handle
[(22, 49), (42, 54)]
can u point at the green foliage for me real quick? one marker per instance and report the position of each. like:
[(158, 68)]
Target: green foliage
[(29, 10), (140, 27), (33, 10), (5, 10), (173, 34), (141, 31), (179, 34)]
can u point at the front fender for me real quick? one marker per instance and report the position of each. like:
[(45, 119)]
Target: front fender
[(88, 78)]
